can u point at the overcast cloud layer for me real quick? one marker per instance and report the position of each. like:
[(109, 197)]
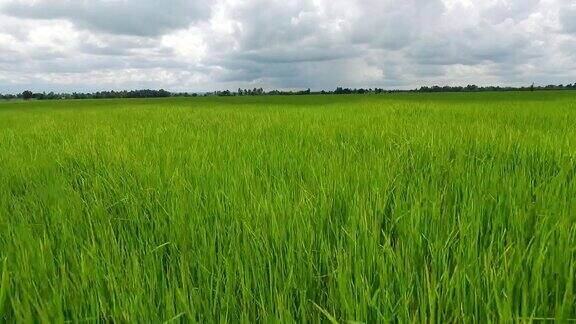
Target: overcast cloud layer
[(193, 45)]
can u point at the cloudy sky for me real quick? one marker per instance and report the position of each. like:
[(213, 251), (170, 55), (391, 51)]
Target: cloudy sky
[(201, 45)]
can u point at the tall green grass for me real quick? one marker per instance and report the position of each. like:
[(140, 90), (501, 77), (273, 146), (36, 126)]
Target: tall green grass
[(410, 208)]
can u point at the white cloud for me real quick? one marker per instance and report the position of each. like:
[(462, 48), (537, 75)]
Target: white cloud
[(205, 45), (128, 17)]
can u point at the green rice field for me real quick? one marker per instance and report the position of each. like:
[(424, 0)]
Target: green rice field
[(323, 209)]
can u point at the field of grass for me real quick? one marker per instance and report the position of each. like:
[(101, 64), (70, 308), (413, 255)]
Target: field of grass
[(408, 207)]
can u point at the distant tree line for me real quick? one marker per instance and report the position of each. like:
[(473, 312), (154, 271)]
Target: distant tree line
[(27, 95), (147, 93), (475, 88), (341, 90)]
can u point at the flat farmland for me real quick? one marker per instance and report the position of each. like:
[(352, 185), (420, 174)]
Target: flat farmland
[(363, 208)]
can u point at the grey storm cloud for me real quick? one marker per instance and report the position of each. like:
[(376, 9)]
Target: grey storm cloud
[(514, 10), (568, 18), (128, 17), (192, 45)]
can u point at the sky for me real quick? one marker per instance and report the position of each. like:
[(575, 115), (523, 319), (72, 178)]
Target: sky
[(205, 45)]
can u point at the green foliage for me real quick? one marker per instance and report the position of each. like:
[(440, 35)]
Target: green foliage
[(408, 207), (27, 95)]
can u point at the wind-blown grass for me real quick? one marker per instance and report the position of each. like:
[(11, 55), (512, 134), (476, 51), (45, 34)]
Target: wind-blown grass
[(447, 207)]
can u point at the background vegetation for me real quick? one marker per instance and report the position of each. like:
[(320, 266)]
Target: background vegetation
[(409, 207), (147, 93)]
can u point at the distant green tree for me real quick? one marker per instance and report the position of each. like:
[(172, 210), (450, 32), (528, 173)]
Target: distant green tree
[(27, 95)]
